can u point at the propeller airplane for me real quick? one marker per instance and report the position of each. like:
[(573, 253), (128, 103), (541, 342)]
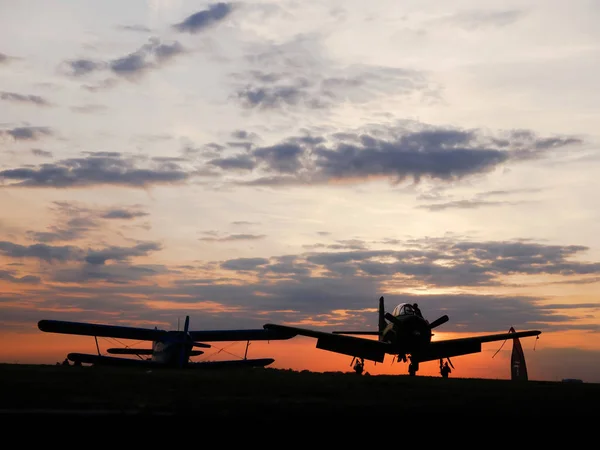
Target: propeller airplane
[(170, 349), (404, 333)]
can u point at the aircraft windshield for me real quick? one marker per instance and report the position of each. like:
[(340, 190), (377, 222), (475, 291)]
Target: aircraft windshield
[(403, 309)]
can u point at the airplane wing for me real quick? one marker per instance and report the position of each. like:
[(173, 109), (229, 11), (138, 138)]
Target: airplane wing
[(149, 334), (112, 361), (375, 350), (464, 346), (241, 335), (91, 329), (126, 362), (234, 363), (370, 349)]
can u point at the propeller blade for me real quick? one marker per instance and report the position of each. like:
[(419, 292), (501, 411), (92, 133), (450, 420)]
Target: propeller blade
[(200, 344), (393, 319), (186, 327), (439, 321)]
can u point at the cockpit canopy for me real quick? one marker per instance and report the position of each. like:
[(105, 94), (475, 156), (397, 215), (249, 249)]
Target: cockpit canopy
[(404, 309)]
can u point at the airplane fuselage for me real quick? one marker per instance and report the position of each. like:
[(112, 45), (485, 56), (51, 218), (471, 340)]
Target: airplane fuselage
[(408, 333), (174, 351)]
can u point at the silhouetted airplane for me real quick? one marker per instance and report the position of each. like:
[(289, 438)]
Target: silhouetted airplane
[(169, 348), (404, 333)]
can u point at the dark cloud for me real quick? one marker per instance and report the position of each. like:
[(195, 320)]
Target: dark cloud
[(202, 20), (27, 133), (234, 237), (310, 87), (120, 274), (240, 162), (44, 252), (122, 213), (149, 56), (100, 168), (334, 288), (42, 153), (24, 98), (121, 253), (244, 263), (10, 276), (137, 28), (79, 67), (444, 154)]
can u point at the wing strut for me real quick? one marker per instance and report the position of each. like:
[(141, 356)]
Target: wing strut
[(97, 346), (246, 353)]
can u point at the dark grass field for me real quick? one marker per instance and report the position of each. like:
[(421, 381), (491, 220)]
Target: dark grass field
[(272, 396)]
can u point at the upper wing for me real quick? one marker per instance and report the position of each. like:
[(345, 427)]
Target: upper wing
[(241, 335), (91, 329), (348, 345), (464, 346)]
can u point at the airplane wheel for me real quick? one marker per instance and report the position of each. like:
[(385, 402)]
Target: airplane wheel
[(412, 371)]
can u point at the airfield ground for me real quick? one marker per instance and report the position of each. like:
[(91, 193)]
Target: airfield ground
[(271, 396)]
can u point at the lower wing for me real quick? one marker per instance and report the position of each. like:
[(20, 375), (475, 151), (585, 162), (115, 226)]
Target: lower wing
[(231, 364), (111, 361), (465, 346), (370, 349)]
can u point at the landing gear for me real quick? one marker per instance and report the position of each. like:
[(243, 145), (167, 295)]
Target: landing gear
[(412, 368), (359, 366)]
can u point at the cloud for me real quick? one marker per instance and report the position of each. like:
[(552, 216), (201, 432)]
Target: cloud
[(10, 276), (234, 237), (313, 89), (202, 20), (42, 153), (89, 109), (4, 58), (76, 222), (24, 98), (149, 56), (101, 168), (120, 253), (473, 20), (80, 67), (27, 133), (396, 153), (44, 252), (327, 288), (137, 28), (122, 213)]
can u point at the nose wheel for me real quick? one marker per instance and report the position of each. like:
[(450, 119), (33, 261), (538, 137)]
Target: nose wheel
[(412, 368)]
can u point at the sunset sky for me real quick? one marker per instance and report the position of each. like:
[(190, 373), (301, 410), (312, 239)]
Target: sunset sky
[(292, 161)]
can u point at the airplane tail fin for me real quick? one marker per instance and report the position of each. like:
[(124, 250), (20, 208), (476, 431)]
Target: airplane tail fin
[(382, 323), (518, 368)]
